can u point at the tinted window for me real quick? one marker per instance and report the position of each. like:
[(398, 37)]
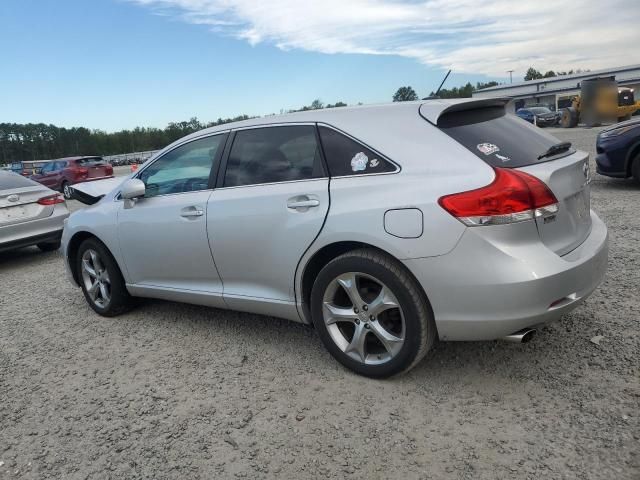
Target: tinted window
[(183, 169), (47, 167), (88, 162), (274, 154), (498, 138), (348, 157), (540, 110)]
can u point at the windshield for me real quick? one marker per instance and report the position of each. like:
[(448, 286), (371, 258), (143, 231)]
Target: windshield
[(539, 110), (498, 138)]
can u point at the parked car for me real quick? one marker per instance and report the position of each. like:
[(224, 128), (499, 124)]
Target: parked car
[(385, 226), (542, 115), (618, 150), (30, 214), (61, 174)]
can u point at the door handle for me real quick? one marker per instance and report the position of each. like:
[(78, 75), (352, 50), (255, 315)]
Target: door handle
[(191, 212), (301, 202)]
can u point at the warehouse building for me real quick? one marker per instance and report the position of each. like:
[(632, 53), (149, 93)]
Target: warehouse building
[(556, 92)]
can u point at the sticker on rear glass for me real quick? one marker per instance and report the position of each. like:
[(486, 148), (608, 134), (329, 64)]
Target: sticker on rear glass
[(488, 148), (374, 163), (503, 158), (359, 162)]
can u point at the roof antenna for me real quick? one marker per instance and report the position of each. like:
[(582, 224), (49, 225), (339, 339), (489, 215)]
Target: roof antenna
[(435, 95)]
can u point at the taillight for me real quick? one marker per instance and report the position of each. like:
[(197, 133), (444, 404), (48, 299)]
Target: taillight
[(82, 170), (51, 199), (513, 196)]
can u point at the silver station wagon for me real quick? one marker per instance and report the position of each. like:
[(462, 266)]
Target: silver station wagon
[(386, 227)]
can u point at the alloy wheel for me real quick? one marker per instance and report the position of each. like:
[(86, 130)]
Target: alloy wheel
[(96, 278), (66, 191), (364, 318)]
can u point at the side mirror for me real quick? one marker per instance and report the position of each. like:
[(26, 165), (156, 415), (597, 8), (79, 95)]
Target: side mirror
[(133, 188)]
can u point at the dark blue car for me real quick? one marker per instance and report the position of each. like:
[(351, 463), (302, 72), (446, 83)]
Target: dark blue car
[(618, 149), (541, 116)]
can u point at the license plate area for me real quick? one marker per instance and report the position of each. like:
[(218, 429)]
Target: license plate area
[(19, 212)]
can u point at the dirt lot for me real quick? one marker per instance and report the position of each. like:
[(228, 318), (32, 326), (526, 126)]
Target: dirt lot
[(178, 391)]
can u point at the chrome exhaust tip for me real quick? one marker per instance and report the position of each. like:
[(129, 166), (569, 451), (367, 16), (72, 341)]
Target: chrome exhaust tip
[(521, 336)]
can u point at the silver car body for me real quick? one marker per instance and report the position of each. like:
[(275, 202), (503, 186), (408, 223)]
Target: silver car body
[(247, 251), (23, 221)]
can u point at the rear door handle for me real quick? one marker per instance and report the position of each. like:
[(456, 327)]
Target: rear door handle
[(302, 202), (191, 212)]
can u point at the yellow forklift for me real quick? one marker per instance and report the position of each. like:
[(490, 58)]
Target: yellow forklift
[(600, 100)]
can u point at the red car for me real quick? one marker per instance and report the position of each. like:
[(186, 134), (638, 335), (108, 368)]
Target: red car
[(60, 174)]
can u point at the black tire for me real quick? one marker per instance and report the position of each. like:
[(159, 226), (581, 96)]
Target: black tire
[(624, 118), (569, 118), (49, 246), (419, 326), (66, 191), (120, 301), (635, 168)]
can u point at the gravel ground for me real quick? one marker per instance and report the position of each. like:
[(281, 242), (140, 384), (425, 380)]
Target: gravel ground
[(178, 391)]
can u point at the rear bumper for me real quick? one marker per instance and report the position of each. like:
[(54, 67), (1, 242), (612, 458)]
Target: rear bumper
[(44, 230), (486, 289), (92, 179)]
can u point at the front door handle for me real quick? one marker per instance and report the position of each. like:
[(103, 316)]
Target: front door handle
[(302, 202), (191, 212)]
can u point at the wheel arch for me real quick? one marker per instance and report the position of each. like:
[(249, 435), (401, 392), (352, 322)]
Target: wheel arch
[(74, 245), (634, 154), (323, 256)]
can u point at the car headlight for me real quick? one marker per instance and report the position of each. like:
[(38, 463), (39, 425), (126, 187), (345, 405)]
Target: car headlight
[(616, 131)]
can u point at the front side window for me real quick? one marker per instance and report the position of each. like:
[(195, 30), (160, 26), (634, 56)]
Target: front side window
[(183, 169), (348, 157), (273, 154)]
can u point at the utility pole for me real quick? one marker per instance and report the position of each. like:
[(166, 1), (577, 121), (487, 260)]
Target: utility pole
[(510, 72)]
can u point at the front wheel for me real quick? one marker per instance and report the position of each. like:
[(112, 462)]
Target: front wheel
[(101, 280), (635, 168), (371, 314)]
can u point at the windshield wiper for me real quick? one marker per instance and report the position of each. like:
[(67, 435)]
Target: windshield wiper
[(555, 149)]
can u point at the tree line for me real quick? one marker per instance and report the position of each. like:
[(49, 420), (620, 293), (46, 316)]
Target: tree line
[(39, 141)]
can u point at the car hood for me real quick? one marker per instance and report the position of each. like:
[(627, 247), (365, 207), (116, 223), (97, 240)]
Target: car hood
[(91, 192)]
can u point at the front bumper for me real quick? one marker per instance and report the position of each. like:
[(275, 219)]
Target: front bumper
[(487, 288), (609, 167)]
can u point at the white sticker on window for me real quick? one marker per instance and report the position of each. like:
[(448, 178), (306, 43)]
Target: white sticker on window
[(359, 162), (503, 158), (374, 163), (488, 148)]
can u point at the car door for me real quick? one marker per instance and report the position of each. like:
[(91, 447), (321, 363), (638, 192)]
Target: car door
[(270, 202), (163, 236), (46, 175)]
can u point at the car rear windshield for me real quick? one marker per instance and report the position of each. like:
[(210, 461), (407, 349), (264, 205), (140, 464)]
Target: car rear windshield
[(499, 138), (88, 162)]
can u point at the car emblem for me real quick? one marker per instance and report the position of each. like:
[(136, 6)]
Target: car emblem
[(13, 198)]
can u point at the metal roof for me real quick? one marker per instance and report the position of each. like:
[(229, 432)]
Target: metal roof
[(561, 78)]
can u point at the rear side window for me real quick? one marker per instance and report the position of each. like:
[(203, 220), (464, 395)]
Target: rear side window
[(273, 154), (498, 138), (348, 157)]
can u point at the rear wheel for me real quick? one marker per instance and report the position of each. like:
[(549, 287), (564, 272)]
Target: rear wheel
[(101, 280), (624, 118), (371, 314), (66, 190)]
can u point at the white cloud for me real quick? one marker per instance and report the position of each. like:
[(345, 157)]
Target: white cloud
[(472, 36)]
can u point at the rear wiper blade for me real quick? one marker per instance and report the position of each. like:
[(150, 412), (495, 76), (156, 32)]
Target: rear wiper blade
[(555, 149)]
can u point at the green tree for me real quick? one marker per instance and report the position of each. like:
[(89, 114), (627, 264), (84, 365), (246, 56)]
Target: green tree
[(532, 74), (549, 74), (405, 94)]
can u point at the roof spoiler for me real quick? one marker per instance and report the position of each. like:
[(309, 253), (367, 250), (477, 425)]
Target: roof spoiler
[(433, 109)]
